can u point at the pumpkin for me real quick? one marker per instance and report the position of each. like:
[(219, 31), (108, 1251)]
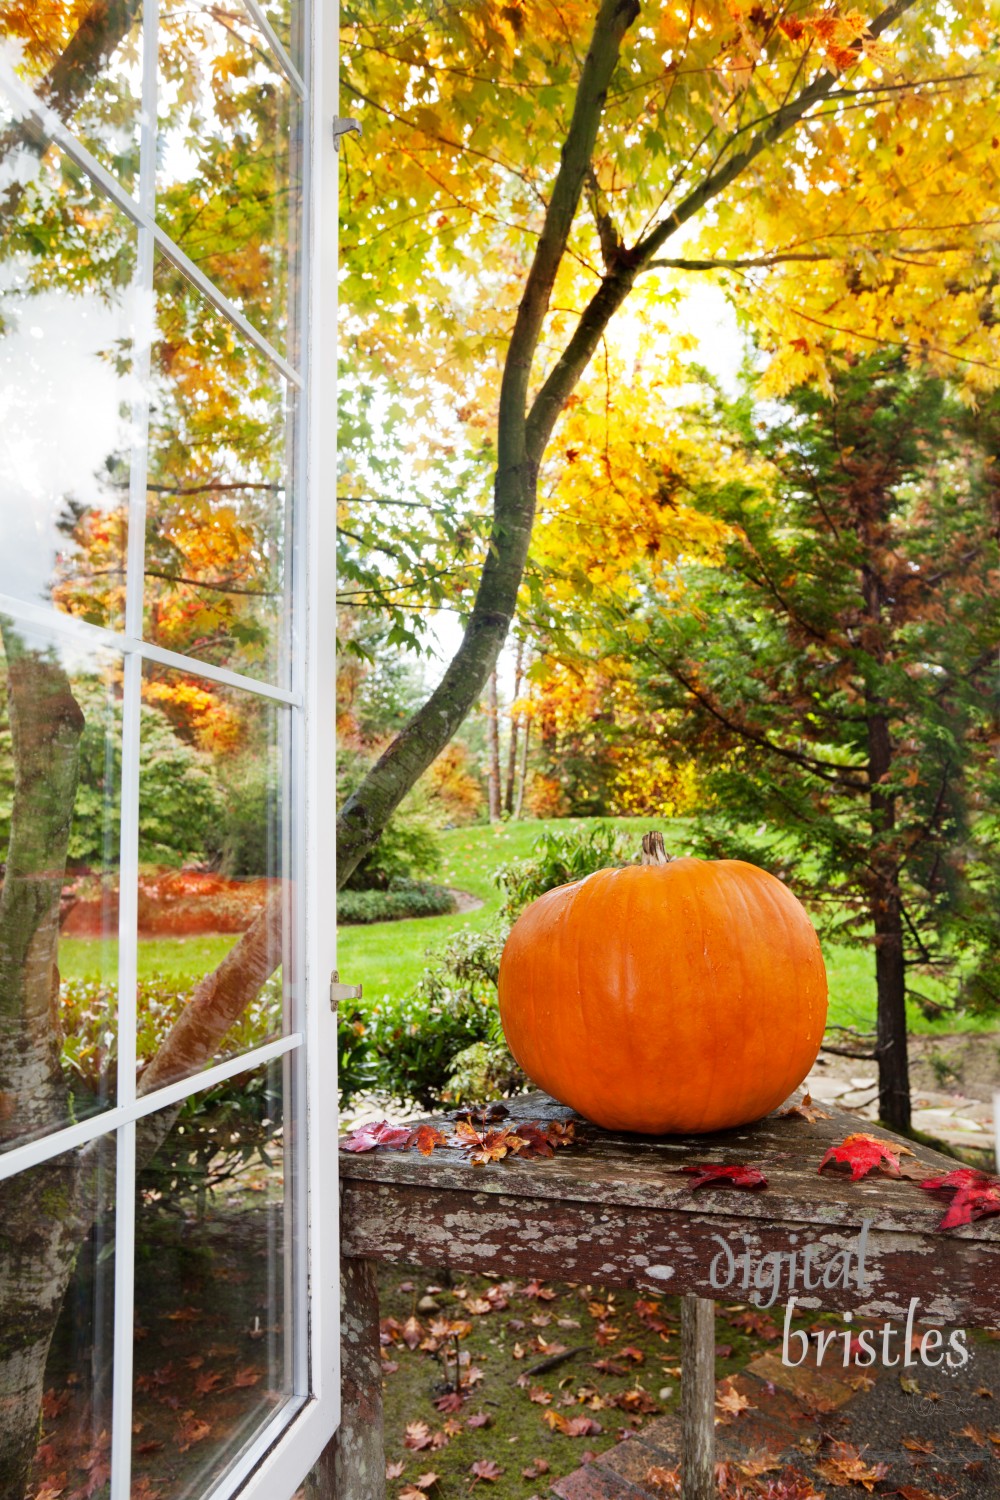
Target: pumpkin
[(676, 996)]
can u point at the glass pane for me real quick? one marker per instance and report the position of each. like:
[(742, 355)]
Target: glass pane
[(57, 1251), (287, 20), (66, 259), (84, 62), (60, 764), (213, 867), (229, 180), (211, 1297), (218, 499)]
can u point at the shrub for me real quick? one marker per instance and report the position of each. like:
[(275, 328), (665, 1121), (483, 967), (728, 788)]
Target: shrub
[(404, 898), (443, 1043)]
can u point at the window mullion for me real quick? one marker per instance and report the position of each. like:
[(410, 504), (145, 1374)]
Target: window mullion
[(121, 1420)]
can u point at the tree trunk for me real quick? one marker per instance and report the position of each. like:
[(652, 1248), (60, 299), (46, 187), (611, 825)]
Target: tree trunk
[(523, 773), (40, 1226), (515, 724), (885, 902), (493, 747)]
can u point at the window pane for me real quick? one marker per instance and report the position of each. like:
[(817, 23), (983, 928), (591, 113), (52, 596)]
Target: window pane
[(89, 74), (218, 499), (212, 1297), (229, 180), (66, 260), (60, 767), (211, 830), (57, 1251)]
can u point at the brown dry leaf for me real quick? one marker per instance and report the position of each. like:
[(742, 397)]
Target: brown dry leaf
[(411, 1333), (49, 1491), (668, 1481), (393, 1470), (452, 1428), (417, 1436), (517, 1352), (731, 1402), (478, 1306), (539, 1395), (191, 1430), (975, 1434), (245, 1378), (207, 1382), (487, 1470), (846, 1465), (561, 1133), (756, 1464), (804, 1110), (488, 1145), (538, 1290), (919, 1445), (914, 1492), (535, 1469)]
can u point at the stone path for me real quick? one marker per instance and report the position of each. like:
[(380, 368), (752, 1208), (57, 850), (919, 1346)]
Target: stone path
[(936, 1433)]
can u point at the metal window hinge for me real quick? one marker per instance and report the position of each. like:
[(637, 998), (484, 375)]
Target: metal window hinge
[(340, 991), (342, 126)]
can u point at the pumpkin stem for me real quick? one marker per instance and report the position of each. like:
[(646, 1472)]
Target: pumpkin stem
[(653, 851)]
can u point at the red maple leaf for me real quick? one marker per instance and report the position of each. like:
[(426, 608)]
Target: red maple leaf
[(536, 1141), (972, 1203), (378, 1133), (739, 1176), (864, 1153), (961, 1177)]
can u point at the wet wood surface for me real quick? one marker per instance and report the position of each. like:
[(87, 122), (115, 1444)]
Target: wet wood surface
[(616, 1209)]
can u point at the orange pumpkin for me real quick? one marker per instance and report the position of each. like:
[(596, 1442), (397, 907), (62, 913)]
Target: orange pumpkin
[(676, 996)]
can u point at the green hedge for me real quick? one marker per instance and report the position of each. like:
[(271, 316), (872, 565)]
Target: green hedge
[(404, 898)]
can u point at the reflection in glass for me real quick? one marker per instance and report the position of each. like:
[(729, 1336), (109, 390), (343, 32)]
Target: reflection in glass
[(230, 156), (216, 542), (66, 387), (211, 828), (84, 63), (57, 1250), (211, 1300), (60, 771)]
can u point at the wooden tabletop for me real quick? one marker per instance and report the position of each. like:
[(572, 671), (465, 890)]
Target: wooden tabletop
[(617, 1209)]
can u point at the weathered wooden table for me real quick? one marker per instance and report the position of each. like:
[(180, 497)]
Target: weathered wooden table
[(616, 1210)]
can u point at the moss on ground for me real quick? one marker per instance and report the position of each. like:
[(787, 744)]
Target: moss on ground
[(504, 1418)]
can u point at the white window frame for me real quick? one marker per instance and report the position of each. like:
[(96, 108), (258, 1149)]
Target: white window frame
[(284, 1450)]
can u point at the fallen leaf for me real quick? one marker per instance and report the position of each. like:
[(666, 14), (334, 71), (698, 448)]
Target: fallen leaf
[(393, 1470), (378, 1133), (488, 1145), (478, 1419), (245, 1378), (538, 1290), (731, 1401), (450, 1401), (804, 1110), (535, 1469), (539, 1395), (426, 1137), (411, 1332), (846, 1465), (736, 1176), (561, 1132), (535, 1142), (609, 1367), (668, 1481), (191, 1430), (864, 1153), (417, 1436), (487, 1470), (918, 1445), (572, 1426)]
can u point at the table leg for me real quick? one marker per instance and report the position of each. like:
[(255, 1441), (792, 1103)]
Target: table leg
[(697, 1398), (352, 1465)]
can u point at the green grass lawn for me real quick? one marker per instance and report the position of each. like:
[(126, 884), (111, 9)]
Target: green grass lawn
[(387, 957)]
